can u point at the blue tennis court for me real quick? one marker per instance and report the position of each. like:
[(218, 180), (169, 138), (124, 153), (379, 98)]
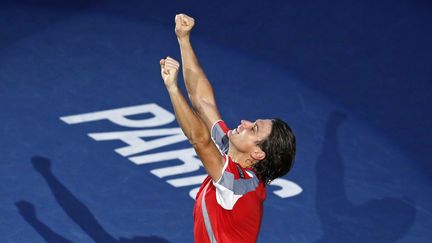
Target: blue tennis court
[(91, 151)]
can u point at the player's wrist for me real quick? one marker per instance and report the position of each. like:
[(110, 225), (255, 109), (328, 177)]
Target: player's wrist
[(172, 87), (183, 38)]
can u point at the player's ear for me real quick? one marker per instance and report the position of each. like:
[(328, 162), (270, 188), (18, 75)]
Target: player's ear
[(258, 154)]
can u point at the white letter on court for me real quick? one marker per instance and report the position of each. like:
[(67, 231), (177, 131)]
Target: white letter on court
[(118, 116), (288, 188), (187, 156), (136, 144), (187, 181)]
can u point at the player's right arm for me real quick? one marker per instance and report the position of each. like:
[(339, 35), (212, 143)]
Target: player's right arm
[(192, 126), (197, 84)]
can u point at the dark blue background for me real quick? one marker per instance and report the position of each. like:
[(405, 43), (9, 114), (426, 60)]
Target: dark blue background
[(352, 78)]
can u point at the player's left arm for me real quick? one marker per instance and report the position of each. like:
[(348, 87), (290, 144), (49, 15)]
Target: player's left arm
[(193, 127)]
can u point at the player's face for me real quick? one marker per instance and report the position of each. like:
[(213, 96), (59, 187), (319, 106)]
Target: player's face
[(248, 134)]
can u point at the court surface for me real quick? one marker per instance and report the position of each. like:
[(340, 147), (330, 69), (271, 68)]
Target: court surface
[(90, 150)]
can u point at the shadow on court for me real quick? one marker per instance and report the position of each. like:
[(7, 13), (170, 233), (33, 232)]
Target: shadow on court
[(378, 220), (74, 208)]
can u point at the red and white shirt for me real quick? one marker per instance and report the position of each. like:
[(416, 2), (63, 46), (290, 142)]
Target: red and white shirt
[(229, 210)]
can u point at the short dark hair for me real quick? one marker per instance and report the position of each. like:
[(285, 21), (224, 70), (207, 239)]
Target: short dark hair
[(280, 149)]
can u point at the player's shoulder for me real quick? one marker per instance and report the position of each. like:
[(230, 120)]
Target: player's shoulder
[(219, 134), (219, 126)]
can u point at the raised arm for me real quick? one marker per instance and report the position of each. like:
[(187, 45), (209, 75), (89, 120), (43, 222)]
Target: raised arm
[(192, 126), (198, 86)]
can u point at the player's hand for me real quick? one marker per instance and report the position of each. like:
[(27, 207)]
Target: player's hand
[(169, 71), (183, 25)]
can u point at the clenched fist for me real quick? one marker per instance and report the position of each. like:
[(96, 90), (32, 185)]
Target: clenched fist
[(183, 25), (169, 71)]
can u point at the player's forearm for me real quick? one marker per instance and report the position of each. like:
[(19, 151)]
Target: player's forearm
[(197, 134), (194, 129), (198, 86)]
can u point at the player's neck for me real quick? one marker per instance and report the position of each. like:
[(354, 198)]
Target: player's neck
[(243, 159)]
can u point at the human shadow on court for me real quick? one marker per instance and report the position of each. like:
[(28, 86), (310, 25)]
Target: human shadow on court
[(381, 220), (74, 208)]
